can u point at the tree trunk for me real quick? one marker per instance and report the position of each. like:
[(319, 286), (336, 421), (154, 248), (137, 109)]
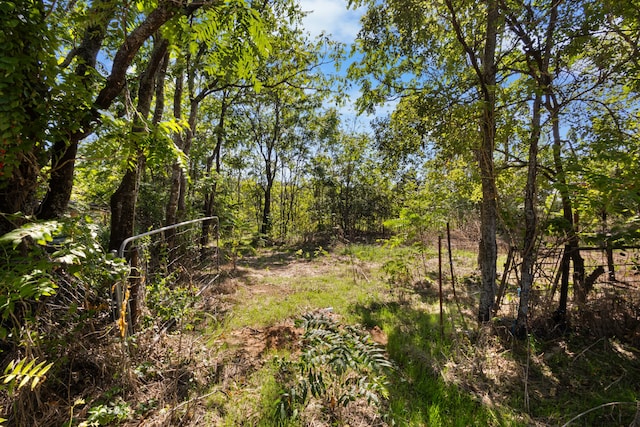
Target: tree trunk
[(489, 208), (17, 193), (608, 245), (171, 214), (538, 61), (485, 70), (265, 227), (65, 147), (123, 205), (123, 201), (560, 315), (572, 249), (269, 154), (572, 245), (176, 207), (531, 222), (209, 197)]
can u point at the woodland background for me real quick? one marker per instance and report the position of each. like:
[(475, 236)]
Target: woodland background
[(514, 123)]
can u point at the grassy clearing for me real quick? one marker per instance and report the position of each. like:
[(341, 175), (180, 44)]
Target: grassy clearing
[(273, 299), (353, 285), (457, 377)]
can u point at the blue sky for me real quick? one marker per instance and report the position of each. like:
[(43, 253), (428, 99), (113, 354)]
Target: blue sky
[(342, 24), (333, 17)]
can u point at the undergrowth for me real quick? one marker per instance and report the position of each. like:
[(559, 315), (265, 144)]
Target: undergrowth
[(324, 370), (339, 365)]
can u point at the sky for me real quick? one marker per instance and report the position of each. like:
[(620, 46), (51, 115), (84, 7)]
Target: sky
[(342, 24), (333, 17)]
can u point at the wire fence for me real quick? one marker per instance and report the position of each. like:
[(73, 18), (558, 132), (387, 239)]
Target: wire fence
[(180, 253), (614, 272)]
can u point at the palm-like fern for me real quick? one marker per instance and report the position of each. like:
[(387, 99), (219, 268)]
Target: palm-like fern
[(339, 364)]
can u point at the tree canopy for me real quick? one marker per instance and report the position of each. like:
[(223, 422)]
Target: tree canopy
[(516, 121)]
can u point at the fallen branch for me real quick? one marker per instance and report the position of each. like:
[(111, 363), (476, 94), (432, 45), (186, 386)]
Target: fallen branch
[(586, 349), (604, 405)]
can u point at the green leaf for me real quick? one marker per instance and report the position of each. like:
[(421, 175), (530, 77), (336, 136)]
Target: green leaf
[(40, 232)]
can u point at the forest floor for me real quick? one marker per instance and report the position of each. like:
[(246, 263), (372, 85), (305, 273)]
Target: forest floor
[(460, 376), (231, 356)]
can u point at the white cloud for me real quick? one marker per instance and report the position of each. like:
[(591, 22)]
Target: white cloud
[(332, 17)]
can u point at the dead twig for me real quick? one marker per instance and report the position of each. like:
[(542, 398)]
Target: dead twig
[(586, 349), (604, 405)]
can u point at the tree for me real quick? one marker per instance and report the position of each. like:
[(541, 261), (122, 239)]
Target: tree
[(123, 200), (81, 96), (65, 147), (448, 49), (291, 90), (563, 45), (221, 50), (538, 51), (220, 40), (25, 70)]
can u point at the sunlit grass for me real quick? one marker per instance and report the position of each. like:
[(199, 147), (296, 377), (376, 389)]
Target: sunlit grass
[(424, 389), (419, 395), (290, 297)]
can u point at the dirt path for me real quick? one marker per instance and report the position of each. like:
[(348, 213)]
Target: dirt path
[(222, 360)]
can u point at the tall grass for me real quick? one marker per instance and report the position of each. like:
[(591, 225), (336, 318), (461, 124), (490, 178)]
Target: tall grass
[(419, 395), (430, 385)]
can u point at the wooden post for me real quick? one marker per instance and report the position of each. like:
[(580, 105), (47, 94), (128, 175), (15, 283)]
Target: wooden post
[(453, 278), (440, 284), (503, 281)]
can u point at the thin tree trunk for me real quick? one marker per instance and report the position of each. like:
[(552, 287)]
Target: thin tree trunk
[(489, 207), (538, 62), (174, 191), (485, 70), (209, 198), (270, 157), (265, 227), (176, 207), (560, 315), (531, 222), (572, 245), (608, 245), (123, 201)]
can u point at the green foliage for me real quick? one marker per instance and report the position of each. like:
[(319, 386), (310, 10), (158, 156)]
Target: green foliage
[(25, 63), (26, 273), (317, 252), (339, 365), (397, 272), (113, 413), (19, 373), (236, 38), (168, 302), (352, 193), (35, 253), (40, 233)]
